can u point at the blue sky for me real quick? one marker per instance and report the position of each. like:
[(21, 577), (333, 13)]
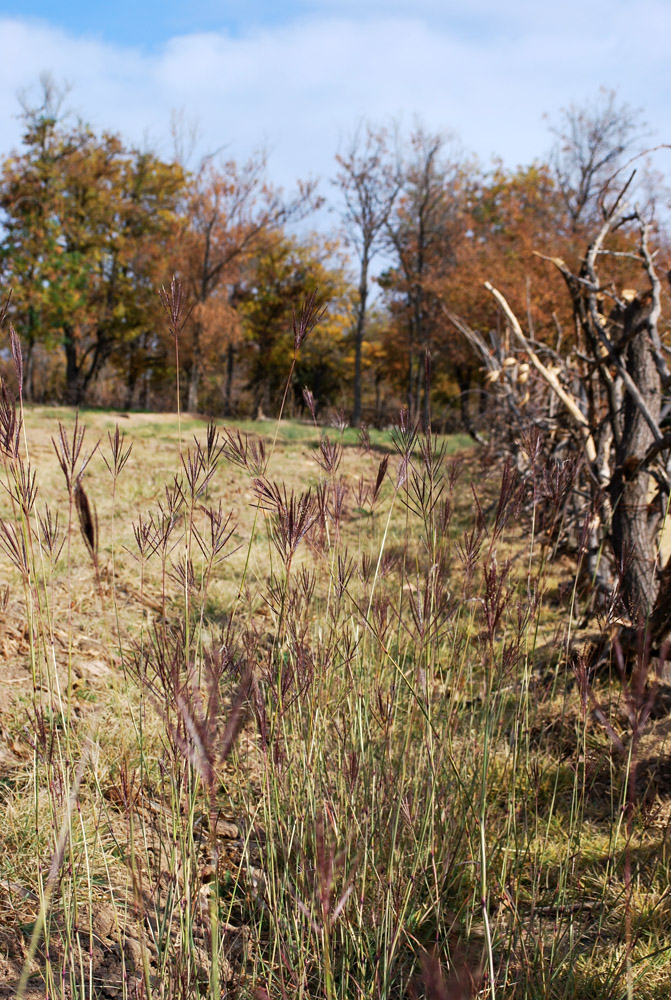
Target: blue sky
[(152, 22), (297, 76)]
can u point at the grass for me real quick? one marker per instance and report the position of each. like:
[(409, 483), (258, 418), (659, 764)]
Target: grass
[(295, 717)]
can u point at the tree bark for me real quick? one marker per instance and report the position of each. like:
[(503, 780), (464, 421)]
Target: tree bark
[(73, 381), (358, 339), (633, 534)]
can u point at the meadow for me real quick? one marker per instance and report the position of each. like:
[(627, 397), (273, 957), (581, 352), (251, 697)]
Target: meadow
[(290, 711)]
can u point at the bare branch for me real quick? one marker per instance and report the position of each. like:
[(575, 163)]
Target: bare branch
[(612, 354), (656, 306), (549, 375)]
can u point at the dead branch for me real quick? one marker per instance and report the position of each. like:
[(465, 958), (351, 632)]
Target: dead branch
[(548, 375)]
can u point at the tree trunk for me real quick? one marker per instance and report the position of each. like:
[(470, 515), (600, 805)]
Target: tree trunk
[(74, 389), (194, 372), (131, 375), (358, 341), (144, 391), (378, 400), (632, 532), (463, 376), (426, 395), (417, 391), (29, 372), (131, 381), (230, 358), (410, 369)]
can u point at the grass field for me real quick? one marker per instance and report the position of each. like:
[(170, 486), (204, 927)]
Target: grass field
[(288, 715)]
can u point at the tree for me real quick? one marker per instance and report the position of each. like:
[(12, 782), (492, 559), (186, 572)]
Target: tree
[(503, 217), (613, 395), (23, 247), (368, 182), (231, 213), (86, 227), (287, 273), (621, 328), (422, 231), (593, 141)]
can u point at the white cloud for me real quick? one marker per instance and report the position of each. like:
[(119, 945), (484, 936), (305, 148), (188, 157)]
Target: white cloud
[(299, 87)]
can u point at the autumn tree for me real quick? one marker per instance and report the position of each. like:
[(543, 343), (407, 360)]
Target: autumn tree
[(287, 273), (515, 215), (368, 182), (86, 225), (498, 221), (510, 214), (230, 215), (29, 234)]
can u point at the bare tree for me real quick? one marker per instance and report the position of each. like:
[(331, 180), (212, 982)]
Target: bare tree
[(615, 398), (622, 330), (420, 232), (593, 141), (368, 181)]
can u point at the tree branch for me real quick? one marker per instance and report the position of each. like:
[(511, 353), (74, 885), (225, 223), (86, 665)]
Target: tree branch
[(548, 375)]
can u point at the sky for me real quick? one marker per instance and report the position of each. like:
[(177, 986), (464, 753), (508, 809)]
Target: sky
[(296, 76)]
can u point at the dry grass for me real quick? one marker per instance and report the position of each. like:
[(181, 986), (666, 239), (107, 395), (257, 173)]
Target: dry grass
[(330, 746)]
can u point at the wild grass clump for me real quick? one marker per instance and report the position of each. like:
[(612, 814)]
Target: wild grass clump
[(303, 722)]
